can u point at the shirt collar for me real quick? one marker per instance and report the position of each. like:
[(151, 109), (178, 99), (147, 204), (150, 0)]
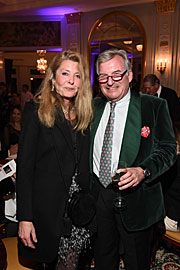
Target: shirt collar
[(159, 91), (123, 100)]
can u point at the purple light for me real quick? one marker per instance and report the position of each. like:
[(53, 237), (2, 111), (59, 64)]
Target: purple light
[(54, 50), (52, 11)]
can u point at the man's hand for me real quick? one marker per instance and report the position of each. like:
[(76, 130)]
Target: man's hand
[(132, 177), (27, 233)]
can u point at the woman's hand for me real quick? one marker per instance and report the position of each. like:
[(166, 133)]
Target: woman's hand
[(13, 177), (27, 233)]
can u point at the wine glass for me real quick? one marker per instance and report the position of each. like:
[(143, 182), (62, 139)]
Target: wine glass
[(119, 202)]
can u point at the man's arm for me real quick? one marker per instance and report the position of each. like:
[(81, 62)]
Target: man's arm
[(162, 156)]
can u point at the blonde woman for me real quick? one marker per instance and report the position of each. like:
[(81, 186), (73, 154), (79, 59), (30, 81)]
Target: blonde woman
[(60, 115)]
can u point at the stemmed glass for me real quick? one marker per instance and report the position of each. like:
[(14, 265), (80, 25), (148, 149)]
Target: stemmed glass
[(119, 201)]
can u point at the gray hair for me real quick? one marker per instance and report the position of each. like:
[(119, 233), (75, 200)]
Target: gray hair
[(152, 78), (111, 53)]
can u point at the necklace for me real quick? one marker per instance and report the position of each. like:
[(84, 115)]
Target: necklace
[(66, 112)]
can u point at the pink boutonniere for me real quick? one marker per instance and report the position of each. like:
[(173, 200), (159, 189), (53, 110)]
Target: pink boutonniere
[(145, 131)]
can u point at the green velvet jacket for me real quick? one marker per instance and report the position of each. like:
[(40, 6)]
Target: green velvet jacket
[(156, 152)]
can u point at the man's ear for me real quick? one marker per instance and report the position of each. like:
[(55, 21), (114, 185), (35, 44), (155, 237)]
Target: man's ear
[(130, 75), (157, 86)]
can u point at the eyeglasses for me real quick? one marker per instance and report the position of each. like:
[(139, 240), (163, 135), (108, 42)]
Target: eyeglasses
[(115, 77)]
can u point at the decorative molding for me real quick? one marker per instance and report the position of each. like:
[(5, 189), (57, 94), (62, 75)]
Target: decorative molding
[(73, 17), (165, 5), (164, 46), (25, 34), (74, 37)]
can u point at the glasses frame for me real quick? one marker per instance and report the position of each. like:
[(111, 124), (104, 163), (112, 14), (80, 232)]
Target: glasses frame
[(115, 80)]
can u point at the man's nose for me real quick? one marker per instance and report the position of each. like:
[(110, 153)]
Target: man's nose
[(110, 81)]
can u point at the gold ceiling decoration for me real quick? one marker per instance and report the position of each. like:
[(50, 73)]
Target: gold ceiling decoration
[(165, 5)]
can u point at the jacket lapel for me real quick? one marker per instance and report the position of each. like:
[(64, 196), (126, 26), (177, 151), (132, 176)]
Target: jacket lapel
[(61, 125), (98, 111), (132, 133)]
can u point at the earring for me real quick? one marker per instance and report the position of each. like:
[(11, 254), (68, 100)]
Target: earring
[(52, 89)]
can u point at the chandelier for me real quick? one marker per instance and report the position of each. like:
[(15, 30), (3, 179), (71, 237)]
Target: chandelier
[(41, 62)]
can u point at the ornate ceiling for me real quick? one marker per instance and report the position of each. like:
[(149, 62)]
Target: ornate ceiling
[(16, 8)]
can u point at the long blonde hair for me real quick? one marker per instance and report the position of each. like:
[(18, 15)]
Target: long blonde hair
[(49, 100)]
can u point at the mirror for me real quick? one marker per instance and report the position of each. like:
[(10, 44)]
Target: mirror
[(121, 30)]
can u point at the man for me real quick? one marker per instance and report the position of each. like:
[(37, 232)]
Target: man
[(143, 138), (152, 86), (26, 95)]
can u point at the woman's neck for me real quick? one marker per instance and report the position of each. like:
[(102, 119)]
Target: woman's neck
[(68, 110), (17, 125)]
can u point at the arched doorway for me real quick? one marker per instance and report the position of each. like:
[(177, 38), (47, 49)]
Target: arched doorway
[(118, 29)]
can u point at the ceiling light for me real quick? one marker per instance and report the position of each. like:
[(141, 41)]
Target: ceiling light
[(127, 42), (41, 62)]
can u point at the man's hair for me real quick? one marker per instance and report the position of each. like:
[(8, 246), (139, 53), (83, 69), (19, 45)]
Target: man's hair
[(26, 86), (153, 79), (111, 53)]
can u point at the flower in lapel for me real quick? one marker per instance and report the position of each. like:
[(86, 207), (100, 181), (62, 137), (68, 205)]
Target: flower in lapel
[(145, 131)]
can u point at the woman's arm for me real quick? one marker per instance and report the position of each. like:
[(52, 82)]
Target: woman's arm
[(27, 233), (26, 162)]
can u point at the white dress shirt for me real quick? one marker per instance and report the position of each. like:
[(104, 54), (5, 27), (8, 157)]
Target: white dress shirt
[(159, 91), (121, 110)]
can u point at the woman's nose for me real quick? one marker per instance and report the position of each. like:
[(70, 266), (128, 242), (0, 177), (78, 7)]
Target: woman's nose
[(71, 79)]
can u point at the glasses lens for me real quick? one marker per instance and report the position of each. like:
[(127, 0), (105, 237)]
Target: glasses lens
[(116, 77), (103, 79)]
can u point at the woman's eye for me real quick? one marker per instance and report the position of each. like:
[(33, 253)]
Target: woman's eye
[(65, 73), (78, 76)]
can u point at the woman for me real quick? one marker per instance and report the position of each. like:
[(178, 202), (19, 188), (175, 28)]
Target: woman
[(12, 131), (46, 157)]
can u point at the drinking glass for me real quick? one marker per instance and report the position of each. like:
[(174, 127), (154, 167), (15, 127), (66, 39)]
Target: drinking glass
[(119, 201)]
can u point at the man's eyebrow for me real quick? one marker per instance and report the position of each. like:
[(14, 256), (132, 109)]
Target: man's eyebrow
[(116, 71)]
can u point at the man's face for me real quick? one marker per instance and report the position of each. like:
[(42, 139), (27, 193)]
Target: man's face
[(150, 89), (114, 90)]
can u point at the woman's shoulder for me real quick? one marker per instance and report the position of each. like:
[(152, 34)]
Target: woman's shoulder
[(8, 127), (30, 106), (30, 111)]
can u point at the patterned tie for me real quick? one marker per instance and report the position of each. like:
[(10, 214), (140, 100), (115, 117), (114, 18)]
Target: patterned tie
[(106, 154)]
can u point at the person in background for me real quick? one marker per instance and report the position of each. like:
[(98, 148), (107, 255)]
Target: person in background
[(3, 106), (8, 205), (138, 133), (152, 86), (12, 132), (52, 127), (26, 95), (171, 188)]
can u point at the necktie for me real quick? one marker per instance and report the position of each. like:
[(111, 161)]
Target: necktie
[(106, 154)]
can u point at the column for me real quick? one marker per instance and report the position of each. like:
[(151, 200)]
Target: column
[(74, 23), (165, 52)]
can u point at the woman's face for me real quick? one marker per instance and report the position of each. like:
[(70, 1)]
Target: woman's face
[(16, 115), (68, 79)]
